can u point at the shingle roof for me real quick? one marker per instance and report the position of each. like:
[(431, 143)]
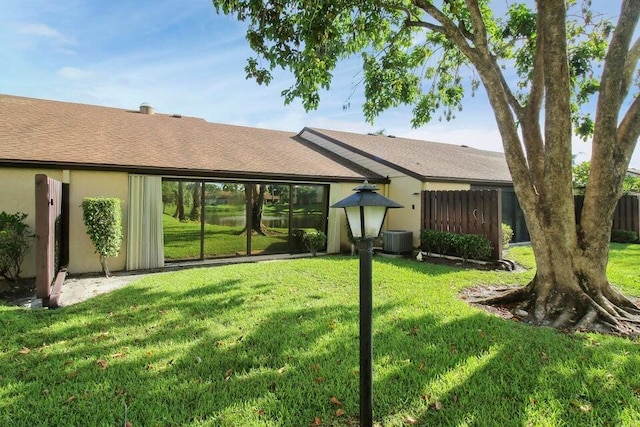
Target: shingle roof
[(429, 160), (35, 131)]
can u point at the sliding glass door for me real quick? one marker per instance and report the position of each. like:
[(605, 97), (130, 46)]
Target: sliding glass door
[(204, 220)]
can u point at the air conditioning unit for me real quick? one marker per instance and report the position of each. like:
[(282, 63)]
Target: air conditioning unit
[(397, 241)]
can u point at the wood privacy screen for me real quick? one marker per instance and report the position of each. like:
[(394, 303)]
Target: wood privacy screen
[(465, 212), (625, 217), (48, 232)]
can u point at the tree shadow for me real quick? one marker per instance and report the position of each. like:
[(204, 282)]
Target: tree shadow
[(210, 355)]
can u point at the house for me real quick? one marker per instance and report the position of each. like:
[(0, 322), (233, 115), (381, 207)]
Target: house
[(414, 166), (141, 156)]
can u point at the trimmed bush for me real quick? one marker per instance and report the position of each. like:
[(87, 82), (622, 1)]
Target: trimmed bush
[(624, 236), (507, 235), (466, 246), (103, 218), (472, 246), (15, 241), (314, 241)]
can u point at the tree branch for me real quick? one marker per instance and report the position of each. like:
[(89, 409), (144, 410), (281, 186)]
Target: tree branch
[(629, 68), (530, 117), (479, 28), (613, 83), (629, 129)]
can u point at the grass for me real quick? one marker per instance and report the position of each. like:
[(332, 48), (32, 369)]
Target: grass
[(271, 344)]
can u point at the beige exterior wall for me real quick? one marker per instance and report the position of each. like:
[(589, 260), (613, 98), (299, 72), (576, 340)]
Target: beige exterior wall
[(337, 237), (17, 194), (446, 186), (82, 256)]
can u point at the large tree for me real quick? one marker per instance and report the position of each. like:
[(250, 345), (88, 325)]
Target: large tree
[(538, 63)]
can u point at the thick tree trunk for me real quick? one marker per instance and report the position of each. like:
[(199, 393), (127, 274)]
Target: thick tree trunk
[(570, 289), (194, 215), (179, 214), (256, 192)]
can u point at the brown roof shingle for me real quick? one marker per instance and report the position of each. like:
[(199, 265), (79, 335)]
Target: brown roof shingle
[(429, 160), (35, 131)]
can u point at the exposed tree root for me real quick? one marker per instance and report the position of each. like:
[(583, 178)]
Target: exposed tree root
[(612, 313)]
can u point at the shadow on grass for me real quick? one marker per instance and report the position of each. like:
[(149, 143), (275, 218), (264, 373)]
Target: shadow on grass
[(213, 355)]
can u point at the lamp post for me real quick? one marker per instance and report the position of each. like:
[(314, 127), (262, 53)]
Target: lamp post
[(366, 211)]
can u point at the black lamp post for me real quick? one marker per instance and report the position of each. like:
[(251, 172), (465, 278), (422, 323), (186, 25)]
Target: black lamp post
[(366, 211)]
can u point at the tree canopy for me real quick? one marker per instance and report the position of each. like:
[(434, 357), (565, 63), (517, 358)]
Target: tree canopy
[(539, 65)]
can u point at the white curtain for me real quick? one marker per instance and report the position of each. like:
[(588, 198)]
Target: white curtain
[(145, 242)]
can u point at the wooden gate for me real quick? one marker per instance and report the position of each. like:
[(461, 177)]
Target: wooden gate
[(48, 240), (468, 212)]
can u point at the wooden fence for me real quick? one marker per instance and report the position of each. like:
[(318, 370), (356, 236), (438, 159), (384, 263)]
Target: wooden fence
[(48, 240), (625, 217), (470, 212)]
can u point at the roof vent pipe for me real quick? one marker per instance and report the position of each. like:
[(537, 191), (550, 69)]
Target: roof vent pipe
[(146, 108)]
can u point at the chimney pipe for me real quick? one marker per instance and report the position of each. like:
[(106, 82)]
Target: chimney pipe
[(146, 108)]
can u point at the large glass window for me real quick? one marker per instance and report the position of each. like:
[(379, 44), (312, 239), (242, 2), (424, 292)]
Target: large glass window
[(226, 219)]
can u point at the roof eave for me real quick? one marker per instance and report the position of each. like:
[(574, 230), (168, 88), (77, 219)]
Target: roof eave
[(191, 173)]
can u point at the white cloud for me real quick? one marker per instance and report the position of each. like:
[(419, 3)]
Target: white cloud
[(43, 30)]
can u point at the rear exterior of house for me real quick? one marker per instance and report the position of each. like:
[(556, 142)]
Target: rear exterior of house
[(223, 174), (136, 155)]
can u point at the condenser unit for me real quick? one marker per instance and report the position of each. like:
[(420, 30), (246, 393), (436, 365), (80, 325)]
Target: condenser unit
[(397, 241)]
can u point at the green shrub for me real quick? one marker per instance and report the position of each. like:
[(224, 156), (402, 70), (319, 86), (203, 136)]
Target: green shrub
[(472, 246), (314, 241), (103, 219), (15, 240), (466, 246), (507, 235), (441, 242), (624, 236)]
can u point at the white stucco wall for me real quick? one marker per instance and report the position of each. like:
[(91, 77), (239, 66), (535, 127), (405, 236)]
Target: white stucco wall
[(82, 256)]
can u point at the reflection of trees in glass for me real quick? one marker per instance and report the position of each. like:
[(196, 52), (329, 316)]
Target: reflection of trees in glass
[(169, 193), (180, 202), (194, 215), (305, 194)]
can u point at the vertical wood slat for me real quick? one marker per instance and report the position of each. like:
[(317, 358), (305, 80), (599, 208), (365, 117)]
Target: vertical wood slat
[(468, 212), (48, 224)]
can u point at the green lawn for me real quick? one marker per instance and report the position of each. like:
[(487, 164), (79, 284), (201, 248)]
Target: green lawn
[(275, 344)]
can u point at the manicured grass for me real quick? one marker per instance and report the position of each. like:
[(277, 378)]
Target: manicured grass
[(272, 344)]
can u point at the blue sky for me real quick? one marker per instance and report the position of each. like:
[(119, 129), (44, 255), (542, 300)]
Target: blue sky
[(181, 57)]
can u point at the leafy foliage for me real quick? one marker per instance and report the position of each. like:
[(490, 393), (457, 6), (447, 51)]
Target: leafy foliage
[(624, 236), (630, 184), (103, 218), (507, 235), (314, 241), (466, 246), (15, 241)]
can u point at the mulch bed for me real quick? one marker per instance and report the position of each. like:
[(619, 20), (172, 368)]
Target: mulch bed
[(11, 291)]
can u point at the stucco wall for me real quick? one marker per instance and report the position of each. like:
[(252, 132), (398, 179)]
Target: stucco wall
[(17, 194), (82, 256), (337, 237)]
